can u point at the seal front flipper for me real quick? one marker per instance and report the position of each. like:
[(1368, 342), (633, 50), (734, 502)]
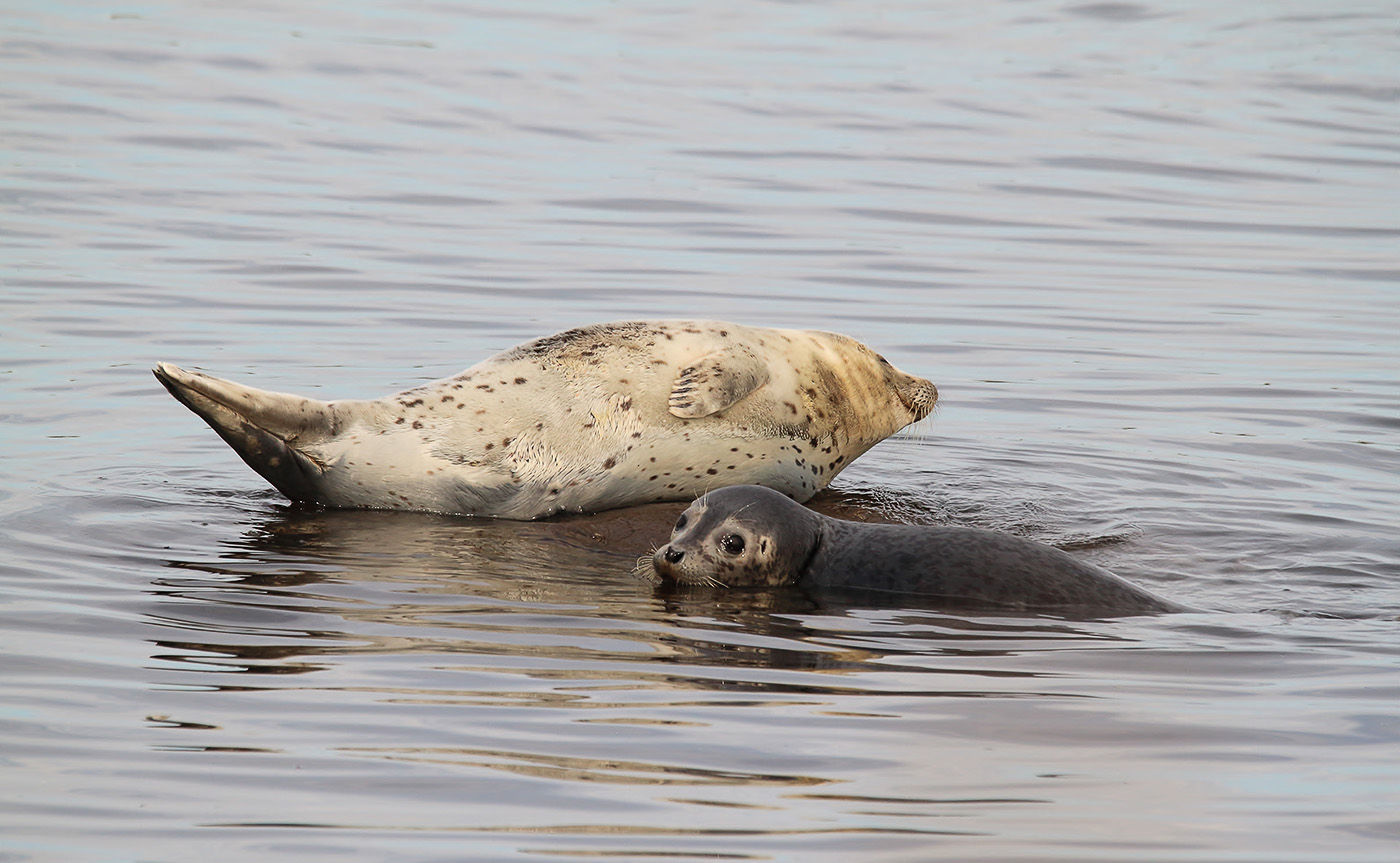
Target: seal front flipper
[(263, 427), (716, 382)]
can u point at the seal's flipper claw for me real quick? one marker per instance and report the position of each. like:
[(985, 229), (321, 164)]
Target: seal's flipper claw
[(716, 382)]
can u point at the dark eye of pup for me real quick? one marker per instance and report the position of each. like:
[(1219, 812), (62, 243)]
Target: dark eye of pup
[(680, 522), (732, 543)]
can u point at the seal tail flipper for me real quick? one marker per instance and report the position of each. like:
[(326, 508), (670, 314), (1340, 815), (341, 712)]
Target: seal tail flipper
[(263, 427)]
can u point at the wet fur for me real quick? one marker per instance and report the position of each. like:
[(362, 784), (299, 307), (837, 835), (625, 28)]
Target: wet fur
[(952, 566)]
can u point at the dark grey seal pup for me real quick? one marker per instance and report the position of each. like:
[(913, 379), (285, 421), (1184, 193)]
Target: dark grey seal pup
[(748, 536)]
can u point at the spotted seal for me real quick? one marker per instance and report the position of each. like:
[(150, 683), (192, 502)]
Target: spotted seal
[(584, 420), (745, 536)]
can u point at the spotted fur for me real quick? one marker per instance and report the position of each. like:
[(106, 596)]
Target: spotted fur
[(584, 420)]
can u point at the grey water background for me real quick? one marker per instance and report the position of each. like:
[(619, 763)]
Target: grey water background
[(1148, 251)]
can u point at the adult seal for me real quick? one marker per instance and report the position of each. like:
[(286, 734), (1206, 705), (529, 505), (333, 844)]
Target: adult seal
[(745, 536), (585, 420)]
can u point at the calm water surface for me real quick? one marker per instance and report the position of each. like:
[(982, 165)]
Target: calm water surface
[(1147, 251)]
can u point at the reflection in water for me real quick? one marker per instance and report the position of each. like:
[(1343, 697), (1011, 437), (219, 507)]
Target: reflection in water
[(555, 672), (585, 770), (309, 583)]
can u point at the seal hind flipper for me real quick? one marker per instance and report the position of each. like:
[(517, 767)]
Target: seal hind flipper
[(262, 427), (716, 382)]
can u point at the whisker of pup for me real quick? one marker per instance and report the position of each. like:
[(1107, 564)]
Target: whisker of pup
[(644, 569)]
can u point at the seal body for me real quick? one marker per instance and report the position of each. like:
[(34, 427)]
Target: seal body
[(584, 420), (750, 536)]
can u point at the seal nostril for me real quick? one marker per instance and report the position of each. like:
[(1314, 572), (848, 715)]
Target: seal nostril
[(674, 555)]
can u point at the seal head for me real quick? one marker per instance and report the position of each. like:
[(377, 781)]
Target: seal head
[(741, 536)]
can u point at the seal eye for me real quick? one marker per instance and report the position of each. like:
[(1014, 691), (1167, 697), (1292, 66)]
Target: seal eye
[(680, 522), (732, 543)]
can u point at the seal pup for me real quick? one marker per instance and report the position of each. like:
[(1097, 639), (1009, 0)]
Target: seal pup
[(747, 536), (588, 419)]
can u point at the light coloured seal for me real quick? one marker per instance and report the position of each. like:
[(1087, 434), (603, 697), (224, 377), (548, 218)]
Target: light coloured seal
[(747, 536), (588, 419)]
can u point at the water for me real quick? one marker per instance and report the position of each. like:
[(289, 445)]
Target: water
[(1147, 251)]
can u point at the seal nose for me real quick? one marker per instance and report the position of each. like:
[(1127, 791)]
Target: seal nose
[(920, 397), (673, 555)]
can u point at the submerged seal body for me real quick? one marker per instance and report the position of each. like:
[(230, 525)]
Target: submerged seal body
[(751, 536), (584, 420)]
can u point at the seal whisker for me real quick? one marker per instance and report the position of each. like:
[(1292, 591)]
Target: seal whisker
[(644, 568), (741, 509)]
